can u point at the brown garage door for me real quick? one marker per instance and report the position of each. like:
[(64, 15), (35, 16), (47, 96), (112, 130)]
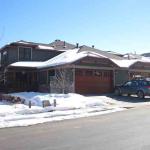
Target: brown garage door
[(93, 81)]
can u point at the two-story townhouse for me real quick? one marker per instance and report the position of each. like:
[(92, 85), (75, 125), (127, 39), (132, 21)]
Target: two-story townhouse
[(27, 52), (36, 66)]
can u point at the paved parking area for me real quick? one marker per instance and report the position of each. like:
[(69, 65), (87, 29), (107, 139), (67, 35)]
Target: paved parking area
[(122, 101)]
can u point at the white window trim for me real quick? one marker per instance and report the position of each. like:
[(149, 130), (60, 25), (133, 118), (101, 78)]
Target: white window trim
[(24, 47)]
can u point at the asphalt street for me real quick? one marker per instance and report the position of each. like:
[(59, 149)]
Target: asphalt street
[(126, 130)]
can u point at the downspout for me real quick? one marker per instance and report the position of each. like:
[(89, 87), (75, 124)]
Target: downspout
[(74, 80), (114, 77)]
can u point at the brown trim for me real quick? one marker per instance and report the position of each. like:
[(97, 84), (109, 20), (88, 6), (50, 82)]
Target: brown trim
[(91, 67), (18, 69)]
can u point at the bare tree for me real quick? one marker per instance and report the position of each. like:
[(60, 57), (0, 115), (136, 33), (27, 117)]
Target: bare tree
[(62, 82)]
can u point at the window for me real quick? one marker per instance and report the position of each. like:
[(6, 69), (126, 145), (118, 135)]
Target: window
[(128, 83), (146, 83), (42, 77), (134, 83), (51, 73), (25, 53)]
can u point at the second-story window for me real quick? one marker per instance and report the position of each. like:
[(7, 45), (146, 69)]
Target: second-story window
[(25, 53)]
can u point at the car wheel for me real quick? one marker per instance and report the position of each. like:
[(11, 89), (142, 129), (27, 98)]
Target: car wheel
[(117, 92), (140, 94)]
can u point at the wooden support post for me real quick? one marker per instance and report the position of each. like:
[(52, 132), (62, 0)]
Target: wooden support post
[(29, 104), (55, 103)]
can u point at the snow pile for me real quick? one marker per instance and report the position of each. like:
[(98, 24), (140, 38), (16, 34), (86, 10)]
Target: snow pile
[(70, 101), (68, 106)]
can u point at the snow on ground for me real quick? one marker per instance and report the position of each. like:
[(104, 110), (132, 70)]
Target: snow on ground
[(68, 106)]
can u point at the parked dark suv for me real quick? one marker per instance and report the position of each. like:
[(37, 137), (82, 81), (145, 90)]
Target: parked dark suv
[(139, 87)]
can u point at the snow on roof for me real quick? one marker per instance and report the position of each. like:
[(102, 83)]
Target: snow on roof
[(132, 56), (128, 62), (73, 55), (145, 58), (45, 47), (125, 63), (39, 46), (69, 56), (32, 64), (23, 42)]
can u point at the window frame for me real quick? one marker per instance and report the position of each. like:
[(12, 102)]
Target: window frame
[(24, 48)]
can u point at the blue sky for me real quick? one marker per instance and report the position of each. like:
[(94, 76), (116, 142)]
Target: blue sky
[(116, 25)]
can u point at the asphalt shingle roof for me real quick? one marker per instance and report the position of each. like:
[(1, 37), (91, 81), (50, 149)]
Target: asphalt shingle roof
[(104, 53)]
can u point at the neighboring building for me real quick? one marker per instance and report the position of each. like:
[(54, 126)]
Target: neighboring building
[(62, 45), (115, 53), (132, 56), (146, 55), (68, 68)]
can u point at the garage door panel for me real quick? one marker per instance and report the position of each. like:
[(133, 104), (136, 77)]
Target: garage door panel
[(91, 84)]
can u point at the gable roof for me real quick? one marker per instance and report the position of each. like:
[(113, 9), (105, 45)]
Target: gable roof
[(132, 56), (126, 63), (115, 53), (64, 58), (104, 53), (62, 45), (69, 57), (57, 45), (72, 55), (31, 44)]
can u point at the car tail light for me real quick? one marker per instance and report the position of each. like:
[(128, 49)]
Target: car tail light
[(147, 87)]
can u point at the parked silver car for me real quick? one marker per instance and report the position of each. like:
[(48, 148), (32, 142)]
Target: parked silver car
[(139, 87)]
